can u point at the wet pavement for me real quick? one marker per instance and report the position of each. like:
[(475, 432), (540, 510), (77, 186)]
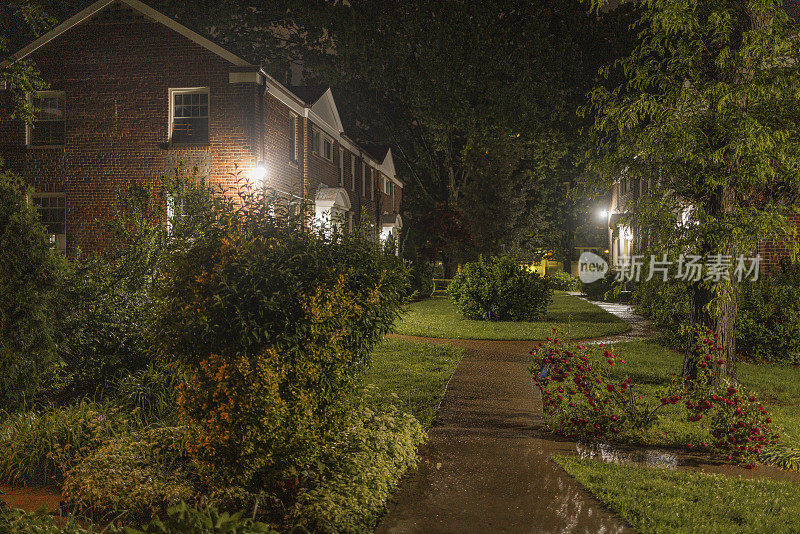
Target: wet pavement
[(487, 466), (640, 326)]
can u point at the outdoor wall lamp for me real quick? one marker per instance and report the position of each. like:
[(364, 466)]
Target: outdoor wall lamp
[(259, 173)]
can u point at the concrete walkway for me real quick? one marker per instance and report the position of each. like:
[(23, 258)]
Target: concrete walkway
[(487, 467)]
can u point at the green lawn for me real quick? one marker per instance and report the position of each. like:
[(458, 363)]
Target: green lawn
[(438, 317), (656, 500), (649, 364), (416, 372)]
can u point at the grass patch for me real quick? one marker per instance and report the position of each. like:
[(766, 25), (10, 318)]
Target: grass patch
[(650, 364), (438, 317), (416, 372), (655, 500)]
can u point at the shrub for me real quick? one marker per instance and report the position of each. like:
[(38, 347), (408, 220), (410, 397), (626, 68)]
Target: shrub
[(14, 521), (578, 395), (107, 300), (667, 305), (272, 323), (38, 447), (562, 281), (420, 280), (494, 289), (29, 277), (151, 393), (608, 289), (768, 324), (378, 447), (183, 519), (140, 474)]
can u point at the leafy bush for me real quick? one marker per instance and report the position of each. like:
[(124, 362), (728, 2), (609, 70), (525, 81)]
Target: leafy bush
[(107, 300), (768, 324), (272, 323), (499, 288), (378, 448), (608, 289), (29, 277), (562, 281), (183, 519), (420, 280), (179, 519), (38, 447), (151, 393), (579, 397), (14, 521), (140, 474), (666, 304)]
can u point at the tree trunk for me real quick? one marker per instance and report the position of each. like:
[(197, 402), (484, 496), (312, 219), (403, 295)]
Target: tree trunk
[(714, 306)]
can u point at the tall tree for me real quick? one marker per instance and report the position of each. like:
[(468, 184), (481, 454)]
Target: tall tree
[(709, 112), (477, 99)]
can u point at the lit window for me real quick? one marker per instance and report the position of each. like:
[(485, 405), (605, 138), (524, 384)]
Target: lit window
[(387, 186), (52, 209), (49, 126), (189, 112)]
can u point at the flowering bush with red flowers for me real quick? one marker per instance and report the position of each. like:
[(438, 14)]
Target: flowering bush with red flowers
[(579, 398), (739, 423)]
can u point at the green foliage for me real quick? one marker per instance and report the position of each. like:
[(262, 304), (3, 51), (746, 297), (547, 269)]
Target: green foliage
[(421, 276), (13, 521), (183, 519), (783, 457), (150, 393), (108, 298), (29, 277), (608, 289), (139, 475), (562, 281), (499, 288), (768, 325), (667, 306), (39, 446), (380, 445), (272, 323), (701, 117)]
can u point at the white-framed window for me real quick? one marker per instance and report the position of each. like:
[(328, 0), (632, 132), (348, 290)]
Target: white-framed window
[(292, 137), (353, 171), (52, 209), (189, 116), (387, 186), (341, 167), (321, 144), (364, 170), (372, 185), (49, 127)]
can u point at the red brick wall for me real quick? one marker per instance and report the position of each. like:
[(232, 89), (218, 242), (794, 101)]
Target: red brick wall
[(116, 77), (773, 250)]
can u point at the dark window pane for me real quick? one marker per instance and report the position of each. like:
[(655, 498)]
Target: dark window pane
[(190, 131)]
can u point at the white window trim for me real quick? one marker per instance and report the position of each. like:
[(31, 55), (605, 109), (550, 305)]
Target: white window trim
[(293, 158), (63, 245), (185, 90), (322, 138), (353, 172), (372, 185), (364, 179), (29, 129), (341, 167)]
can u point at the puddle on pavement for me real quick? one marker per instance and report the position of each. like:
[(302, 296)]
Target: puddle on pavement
[(642, 457)]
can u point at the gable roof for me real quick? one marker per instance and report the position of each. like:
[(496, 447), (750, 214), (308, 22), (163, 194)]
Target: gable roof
[(145, 10)]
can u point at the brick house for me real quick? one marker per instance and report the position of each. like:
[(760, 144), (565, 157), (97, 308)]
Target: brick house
[(133, 94), (624, 241)]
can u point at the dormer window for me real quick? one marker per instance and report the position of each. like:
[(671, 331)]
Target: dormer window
[(189, 116)]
